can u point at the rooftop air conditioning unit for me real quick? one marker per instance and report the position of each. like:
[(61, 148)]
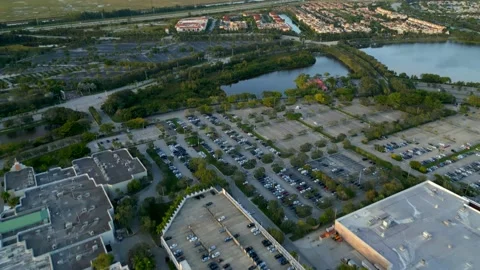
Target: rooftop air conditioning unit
[(68, 225), (94, 247), (78, 258), (426, 235), (91, 233)]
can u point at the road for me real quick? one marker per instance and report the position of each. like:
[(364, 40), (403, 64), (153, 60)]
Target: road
[(83, 103), (151, 190), (187, 13)]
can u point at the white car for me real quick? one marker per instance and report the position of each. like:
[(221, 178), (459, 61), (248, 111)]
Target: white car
[(173, 246), (222, 218), (193, 239), (216, 254)]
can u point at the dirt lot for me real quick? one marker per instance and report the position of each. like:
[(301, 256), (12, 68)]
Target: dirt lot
[(29, 9)]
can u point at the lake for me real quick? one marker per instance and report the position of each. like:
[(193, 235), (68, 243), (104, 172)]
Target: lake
[(289, 22), (24, 134), (283, 80), (454, 60)]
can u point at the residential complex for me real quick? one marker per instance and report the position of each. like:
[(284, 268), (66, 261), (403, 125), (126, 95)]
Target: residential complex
[(424, 227), (270, 21), (344, 18), (65, 218), (195, 24), (232, 24), (211, 228)]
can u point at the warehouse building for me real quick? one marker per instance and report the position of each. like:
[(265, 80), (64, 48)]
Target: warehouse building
[(423, 227)]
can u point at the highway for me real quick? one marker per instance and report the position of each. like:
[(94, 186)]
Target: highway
[(145, 18)]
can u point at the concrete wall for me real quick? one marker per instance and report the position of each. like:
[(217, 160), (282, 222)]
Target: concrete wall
[(359, 245)]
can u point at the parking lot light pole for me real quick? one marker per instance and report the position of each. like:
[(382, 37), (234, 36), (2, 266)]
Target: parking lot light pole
[(360, 176)]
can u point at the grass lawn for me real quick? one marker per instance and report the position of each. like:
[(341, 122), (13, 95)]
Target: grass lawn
[(11, 10)]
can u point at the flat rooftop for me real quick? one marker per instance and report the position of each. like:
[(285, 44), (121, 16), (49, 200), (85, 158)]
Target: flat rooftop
[(195, 218), (18, 180), (109, 167), (15, 256), (78, 211), (79, 256), (425, 226), (53, 175)]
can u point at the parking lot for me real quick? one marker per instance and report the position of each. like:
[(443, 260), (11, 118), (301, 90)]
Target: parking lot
[(210, 230), (332, 121), (372, 114), (428, 143)]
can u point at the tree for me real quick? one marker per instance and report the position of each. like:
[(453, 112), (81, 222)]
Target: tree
[(13, 201), (311, 221), (125, 212), (218, 153), (473, 100), (102, 262), (148, 224), (141, 258), (347, 144), (107, 128), (8, 123), (267, 158), (370, 195), (288, 226), (136, 123), (464, 109), (349, 207), (27, 119), (303, 211), (299, 160), (134, 186), (277, 234), (305, 147), (368, 87), (58, 116), (239, 176), (259, 173), (321, 143), (316, 154), (5, 196), (322, 98), (327, 216), (415, 164), (276, 167), (343, 266)]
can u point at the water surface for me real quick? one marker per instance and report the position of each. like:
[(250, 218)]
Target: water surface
[(460, 62), (283, 80)]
